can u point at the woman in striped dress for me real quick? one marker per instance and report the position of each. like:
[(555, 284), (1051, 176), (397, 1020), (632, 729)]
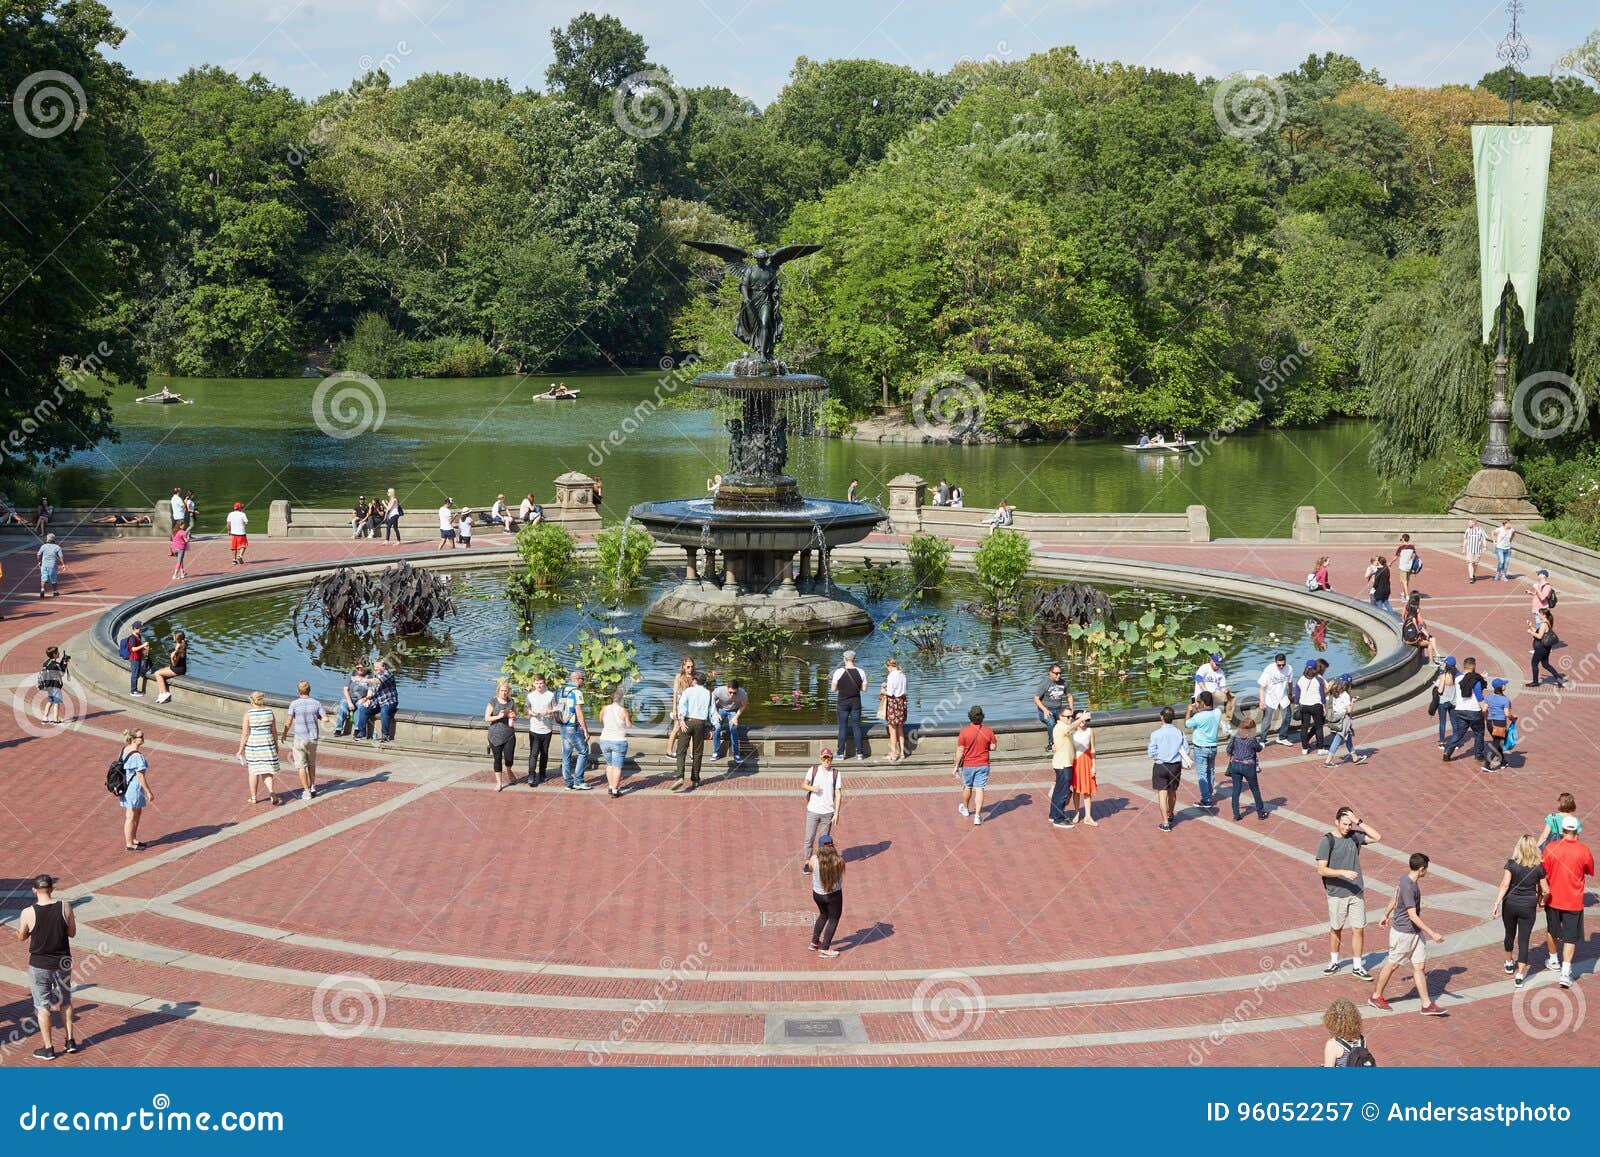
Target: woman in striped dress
[(258, 746)]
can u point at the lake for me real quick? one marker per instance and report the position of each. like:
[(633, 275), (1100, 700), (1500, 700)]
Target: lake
[(254, 441)]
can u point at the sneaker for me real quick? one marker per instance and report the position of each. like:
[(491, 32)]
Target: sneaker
[(44, 1054), (1486, 769), (678, 786), (1530, 684), (859, 759), (305, 795), (812, 947), (1359, 759), (1553, 964), (1060, 824), (1519, 981), (1360, 973), (976, 819), (1510, 968), (1377, 1001), (164, 697), (137, 694), (585, 785), (963, 810), (828, 953), (570, 787), (72, 1045), (1566, 979), (1284, 742), (1433, 1010), (1166, 826), (1333, 966)]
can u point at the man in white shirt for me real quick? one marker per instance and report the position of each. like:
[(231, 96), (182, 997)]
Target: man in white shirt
[(1209, 676), (238, 536), (1310, 693), (447, 526), (1503, 534), (822, 803), (1472, 543), (180, 512), (1273, 687), (694, 712), (541, 710)]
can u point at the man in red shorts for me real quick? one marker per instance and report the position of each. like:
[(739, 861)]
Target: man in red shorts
[(238, 538)]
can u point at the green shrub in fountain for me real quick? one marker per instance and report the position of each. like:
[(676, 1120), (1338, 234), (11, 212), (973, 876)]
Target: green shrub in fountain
[(621, 550), (1157, 646), (929, 555), (1002, 563), (528, 658), (608, 661), (755, 641), (548, 553)]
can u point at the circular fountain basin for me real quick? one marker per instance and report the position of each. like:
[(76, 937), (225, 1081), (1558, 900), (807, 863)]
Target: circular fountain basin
[(695, 522)]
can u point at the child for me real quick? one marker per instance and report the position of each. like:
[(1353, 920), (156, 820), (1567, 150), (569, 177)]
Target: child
[(1406, 938), (464, 526), (1083, 780), (1244, 763), (52, 677), (180, 547)]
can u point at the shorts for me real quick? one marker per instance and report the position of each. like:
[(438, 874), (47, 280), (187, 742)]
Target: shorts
[(238, 541), (305, 754), (52, 695), (1405, 946), (1347, 912), (614, 751), (448, 535), (52, 987), (975, 776), (47, 575), (1564, 924), (1166, 776)]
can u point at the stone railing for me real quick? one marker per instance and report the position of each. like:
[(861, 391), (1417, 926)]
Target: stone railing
[(910, 513), (68, 522)]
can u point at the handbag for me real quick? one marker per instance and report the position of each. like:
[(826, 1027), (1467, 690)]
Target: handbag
[(1433, 701), (1511, 737)]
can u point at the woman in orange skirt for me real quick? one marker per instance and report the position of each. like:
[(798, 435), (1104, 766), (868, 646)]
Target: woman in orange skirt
[(1083, 784)]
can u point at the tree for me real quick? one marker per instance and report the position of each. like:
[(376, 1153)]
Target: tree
[(593, 55), (69, 279)]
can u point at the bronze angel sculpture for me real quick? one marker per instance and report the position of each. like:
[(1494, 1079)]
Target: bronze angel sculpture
[(760, 324)]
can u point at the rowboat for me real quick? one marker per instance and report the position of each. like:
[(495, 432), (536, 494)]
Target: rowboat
[(1159, 448), (569, 396), (166, 400)]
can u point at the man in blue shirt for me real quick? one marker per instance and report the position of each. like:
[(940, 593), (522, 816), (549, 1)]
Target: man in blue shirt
[(694, 708), (574, 732), (1497, 709), (1167, 746), (1204, 718)]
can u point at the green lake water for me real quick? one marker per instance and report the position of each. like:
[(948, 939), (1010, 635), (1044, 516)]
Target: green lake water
[(255, 441)]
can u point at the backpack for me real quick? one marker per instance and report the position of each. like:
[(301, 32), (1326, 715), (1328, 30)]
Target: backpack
[(568, 701), (1311, 582), (1552, 601), (125, 648), (1356, 1055), (1416, 568), (1410, 633), (117, 778)]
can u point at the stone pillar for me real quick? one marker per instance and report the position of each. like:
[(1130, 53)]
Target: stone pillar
[(906, 495), (689, 572), (575, 501), (1199, 524), (1307, 527), (278, 519), (162, 519)]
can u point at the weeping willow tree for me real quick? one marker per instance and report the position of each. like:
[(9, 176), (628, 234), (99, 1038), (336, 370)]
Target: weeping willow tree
[(1431, 379)]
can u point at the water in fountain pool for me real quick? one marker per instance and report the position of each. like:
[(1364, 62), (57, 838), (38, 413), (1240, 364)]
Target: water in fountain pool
[(248, 640)]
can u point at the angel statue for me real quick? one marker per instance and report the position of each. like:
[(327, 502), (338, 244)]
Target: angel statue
[(760, 324)]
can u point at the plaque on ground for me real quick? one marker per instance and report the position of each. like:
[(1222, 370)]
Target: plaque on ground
[(792, 1031)]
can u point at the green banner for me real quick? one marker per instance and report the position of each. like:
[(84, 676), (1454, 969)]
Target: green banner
[(1511, 164)]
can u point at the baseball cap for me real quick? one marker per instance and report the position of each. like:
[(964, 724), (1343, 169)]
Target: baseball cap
[(137, 625), (1448, 660), (45, 880), (824, 839), (1569, 823), (238, 506), (1497, 683), (825, 753), (1216, 656), (1311, 665), (1542, 571)]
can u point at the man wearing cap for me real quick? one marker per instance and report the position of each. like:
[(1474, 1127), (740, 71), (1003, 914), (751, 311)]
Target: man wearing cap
[(1469, 711), (1566, 864), (447, 526), (694, 713), (822, 803), (136, 650), (1273, 687), (51, 563), (1209, 676), (48, 926), (1497, 722), (238, 532), (1543, 596), (574, 732), (848, 682)]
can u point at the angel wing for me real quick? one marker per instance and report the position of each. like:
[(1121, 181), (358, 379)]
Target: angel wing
[(729, 253), (789, 253)]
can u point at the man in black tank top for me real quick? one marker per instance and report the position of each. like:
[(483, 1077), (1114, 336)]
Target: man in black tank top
[(48, 926)]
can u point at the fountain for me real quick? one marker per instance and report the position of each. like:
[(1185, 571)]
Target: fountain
[(760, 525)]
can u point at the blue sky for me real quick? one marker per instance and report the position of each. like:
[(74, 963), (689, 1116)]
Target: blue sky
[(314, 46)]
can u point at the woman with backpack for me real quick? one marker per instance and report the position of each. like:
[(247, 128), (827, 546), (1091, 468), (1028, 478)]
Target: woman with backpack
[(136, 793), (1544, 638), (1414, 631), (1341, 715), (1380, 589), (1346, 1047), (52, 677), (1443, 702), (827, 889)]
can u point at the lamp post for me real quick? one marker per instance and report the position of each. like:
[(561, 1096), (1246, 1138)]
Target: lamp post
[(1512, 51)]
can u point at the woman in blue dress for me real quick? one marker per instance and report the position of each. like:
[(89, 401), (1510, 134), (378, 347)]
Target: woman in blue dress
[(137, 795)]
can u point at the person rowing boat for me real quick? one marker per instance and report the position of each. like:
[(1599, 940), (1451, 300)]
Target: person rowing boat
[(557, 392)]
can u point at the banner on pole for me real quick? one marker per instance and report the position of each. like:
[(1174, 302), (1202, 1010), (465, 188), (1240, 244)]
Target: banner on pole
[(1511, 167)]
